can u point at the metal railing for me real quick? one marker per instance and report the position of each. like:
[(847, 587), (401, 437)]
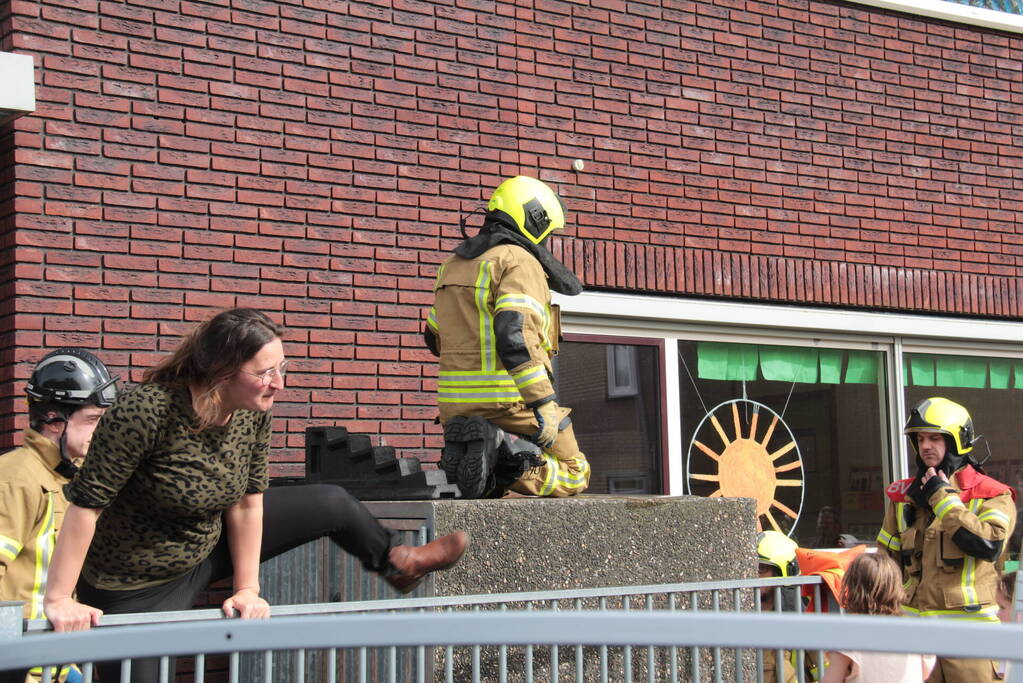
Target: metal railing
[(705, 631), (479, 662)]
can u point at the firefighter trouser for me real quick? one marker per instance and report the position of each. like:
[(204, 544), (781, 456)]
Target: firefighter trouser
[(963, 671), (565, 472)]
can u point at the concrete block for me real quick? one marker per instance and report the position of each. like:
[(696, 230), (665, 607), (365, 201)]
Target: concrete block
[(530, 544)]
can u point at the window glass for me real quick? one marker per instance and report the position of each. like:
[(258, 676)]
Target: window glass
[(991, 390), (614, 391), (800, 429)]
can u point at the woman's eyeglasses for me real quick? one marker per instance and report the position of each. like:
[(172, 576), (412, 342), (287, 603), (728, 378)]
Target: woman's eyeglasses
[(267, 376)]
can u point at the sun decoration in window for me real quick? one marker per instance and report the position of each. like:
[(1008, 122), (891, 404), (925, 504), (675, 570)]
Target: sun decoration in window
[(749, 461)]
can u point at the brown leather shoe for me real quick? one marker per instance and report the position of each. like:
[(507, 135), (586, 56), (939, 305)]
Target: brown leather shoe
[(411, 564)]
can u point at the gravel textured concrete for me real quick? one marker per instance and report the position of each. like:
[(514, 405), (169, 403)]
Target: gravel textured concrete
[(527, 544)]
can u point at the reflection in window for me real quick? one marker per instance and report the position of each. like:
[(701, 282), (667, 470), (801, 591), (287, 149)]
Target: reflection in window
[(799, 428), (991, 389), (614, 391)]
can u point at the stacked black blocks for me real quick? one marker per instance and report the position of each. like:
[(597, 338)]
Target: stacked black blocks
[(368, 472)]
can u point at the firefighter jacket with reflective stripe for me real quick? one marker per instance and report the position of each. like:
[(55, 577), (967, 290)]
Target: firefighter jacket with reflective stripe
[(470, 297), (951, 551), (32, 508)]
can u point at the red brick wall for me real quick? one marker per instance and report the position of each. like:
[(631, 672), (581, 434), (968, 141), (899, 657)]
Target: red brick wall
[(313, 159)]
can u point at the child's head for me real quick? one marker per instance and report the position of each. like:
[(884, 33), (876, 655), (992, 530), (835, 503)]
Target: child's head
[(1006, 589), (873, 585)]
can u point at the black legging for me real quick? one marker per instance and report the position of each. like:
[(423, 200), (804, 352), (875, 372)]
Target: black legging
[(292, 515)]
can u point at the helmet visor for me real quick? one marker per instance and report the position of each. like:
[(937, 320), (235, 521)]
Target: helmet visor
[(105, 393)]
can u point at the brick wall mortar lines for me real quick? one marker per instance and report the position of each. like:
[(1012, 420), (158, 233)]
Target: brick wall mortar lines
[(314, 162)]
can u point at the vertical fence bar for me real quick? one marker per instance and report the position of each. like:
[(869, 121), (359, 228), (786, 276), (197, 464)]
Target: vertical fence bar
[(554, 650), (125, 671), (331, 664), (363, 666), (299, 666), (739, 673), (502, 656), (817, 607), (799, 652), (163, 669), (650, 648), (673, 651), (779, 655), (760, 652), (87, 673), (420, 660), (47, 676), (694, 652), (476, 656), (200, 669), (578, 649), (715, 601), (529, 653), (449, 658), (392, 664), (602, 604), (627, 650)]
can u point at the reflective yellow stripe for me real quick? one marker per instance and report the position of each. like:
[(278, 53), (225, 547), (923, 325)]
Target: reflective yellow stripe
[(530, 376), (472, 386), (519, 300), (985, 614), (552, 472), (900, 519), (431, 319), (9, 547), (44, 550), (947, 504), (888, 541), (436, 280), (486, 319), (993, 514), (570, 480), (968, 578)]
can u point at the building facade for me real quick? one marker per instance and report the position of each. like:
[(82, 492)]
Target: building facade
[(790, 214)]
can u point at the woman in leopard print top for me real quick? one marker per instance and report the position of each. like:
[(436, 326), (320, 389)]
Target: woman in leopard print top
[(173, 494)]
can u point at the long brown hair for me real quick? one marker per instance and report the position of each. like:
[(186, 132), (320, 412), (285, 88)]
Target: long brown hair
[(213, 352), (873, 585)]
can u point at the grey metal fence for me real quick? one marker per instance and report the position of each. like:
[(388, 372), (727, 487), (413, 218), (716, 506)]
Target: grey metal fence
[(708, 631)]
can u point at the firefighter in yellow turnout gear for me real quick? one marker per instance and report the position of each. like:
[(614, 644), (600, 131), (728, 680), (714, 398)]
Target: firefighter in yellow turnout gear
[(493, 328), (947, 527), (68, 392)]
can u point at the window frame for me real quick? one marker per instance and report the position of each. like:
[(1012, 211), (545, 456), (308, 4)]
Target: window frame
[(663, 399), (612, 317)]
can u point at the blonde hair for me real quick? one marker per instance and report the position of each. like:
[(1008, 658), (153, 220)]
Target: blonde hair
[(212, 353), (873, 585)]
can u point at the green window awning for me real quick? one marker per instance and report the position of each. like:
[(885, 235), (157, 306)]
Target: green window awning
[(749, 362), (725, 361)]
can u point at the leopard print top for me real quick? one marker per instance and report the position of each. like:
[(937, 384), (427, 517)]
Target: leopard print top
[(163, 486)]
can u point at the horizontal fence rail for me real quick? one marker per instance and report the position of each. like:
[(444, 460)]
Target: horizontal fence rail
[(703, 629), (706, 631), (409, 604)]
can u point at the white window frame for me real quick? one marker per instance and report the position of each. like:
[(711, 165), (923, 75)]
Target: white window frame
[(673, 319)]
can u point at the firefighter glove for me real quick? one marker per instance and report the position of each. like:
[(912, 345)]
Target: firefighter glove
[(547, 416)]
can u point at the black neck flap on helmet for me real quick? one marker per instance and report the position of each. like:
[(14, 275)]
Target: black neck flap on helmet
[(499, 228)]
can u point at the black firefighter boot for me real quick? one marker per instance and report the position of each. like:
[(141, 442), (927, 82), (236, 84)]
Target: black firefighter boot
[(470, 453), (515, 456)]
